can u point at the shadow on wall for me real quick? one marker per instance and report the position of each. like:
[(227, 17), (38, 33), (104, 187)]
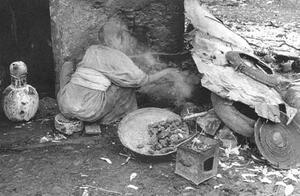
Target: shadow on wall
[(25, 35)]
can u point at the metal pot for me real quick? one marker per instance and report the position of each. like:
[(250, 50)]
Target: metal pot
[(232, 117)]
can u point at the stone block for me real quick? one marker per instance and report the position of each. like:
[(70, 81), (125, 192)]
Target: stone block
[(209, 123), (66, 126), (92, 129), (227, 137)]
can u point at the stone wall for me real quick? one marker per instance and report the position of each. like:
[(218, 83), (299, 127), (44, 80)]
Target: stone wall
[(158, 24)]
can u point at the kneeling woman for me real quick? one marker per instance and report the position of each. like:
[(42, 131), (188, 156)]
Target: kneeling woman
[(103, 86)]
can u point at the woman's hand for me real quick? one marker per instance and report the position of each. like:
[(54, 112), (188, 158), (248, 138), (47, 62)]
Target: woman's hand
[(162, 73), (170, 70)]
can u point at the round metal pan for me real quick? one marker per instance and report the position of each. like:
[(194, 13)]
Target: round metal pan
[(133, 129)]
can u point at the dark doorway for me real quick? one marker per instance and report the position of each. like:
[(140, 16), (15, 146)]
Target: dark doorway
[(25, 35)]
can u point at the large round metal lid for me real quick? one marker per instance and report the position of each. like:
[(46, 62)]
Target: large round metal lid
[(278, 143), (133, 129)]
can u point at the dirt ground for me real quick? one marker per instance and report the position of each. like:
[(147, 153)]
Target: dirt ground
[(74, 166)]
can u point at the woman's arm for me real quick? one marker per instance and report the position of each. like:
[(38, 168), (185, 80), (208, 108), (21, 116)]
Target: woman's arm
[(159, 74), (65, 74)]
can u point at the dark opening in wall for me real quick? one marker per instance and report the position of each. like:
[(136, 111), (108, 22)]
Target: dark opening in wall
[(25, 35)]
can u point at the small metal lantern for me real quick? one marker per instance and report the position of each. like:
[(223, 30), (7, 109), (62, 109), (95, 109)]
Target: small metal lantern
[(197, 160)]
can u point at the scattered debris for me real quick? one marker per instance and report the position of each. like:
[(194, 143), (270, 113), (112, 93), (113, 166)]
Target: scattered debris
[(291, 176), (218, 186), (253, 172), (52, 137), (255, 158), (126, 161), (132, 176), (232, 151), (289, 189), (247, 176), (189, 188), (106, 159), (224, 165), (274, 173), (266, 180), (133, 187), (100, 189), (236, 164), (83, 175), (85, 192), (128, 157), (272, 36)]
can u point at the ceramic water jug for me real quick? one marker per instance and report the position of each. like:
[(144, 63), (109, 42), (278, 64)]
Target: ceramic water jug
[(20, 101)]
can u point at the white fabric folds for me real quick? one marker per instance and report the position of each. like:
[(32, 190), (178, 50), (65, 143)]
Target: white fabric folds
[(91, 79)]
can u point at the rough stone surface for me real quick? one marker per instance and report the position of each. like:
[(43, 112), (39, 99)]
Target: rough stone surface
[(209, 123), (227, 138), (91, 129), (2, 78), (158, 24), (67, 127)]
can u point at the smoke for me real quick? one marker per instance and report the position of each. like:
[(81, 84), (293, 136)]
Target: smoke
[(171, 89), (115, 34)]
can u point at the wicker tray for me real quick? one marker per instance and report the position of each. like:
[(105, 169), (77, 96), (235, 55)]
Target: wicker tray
[(133, 129)]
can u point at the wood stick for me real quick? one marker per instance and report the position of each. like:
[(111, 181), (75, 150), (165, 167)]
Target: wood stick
[(101, 189), (195, 115)]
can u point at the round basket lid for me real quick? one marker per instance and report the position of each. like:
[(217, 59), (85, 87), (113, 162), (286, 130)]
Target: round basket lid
[(278, 143), (133, 129)]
